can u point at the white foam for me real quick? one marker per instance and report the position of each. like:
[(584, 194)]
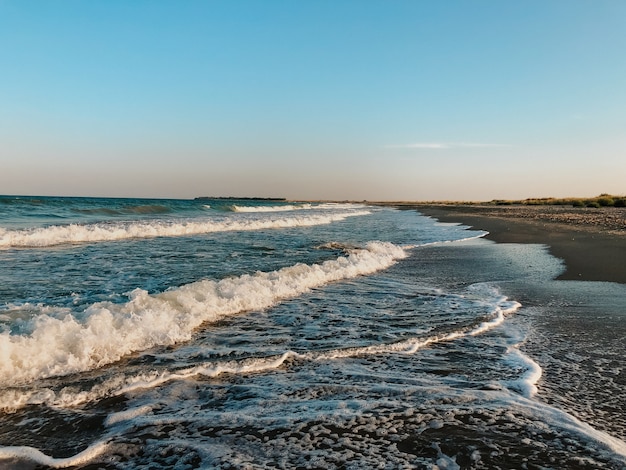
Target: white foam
[(561, 419), (284, 208), (456, 240), (75, 233), (122, 384), (504, 308), (105, 332), (127, 415), (35, 455), (209, 369), (527, 383), (411, 346), (16, 398)]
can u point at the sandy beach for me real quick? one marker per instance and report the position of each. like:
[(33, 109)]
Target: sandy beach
[(591, 241)]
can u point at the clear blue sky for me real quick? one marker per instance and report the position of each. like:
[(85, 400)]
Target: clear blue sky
[(328, 99)]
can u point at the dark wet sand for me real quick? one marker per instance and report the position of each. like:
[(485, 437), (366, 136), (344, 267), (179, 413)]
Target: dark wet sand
[(591, 242)]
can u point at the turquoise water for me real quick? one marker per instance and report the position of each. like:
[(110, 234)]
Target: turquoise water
[(271, 334)]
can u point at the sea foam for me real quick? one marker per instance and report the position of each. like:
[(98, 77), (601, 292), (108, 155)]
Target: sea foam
[(113, 231), (35, 455), (105, 332), (284, 208), (119, 384)]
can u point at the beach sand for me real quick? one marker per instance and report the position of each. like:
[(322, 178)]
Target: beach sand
[(591, 242)]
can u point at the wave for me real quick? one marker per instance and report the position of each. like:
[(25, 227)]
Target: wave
[(283, 208), (286, 283), (412, 345), (562, 419), (87, 233), (296, 207), (36, 456), (140, 415), (129, 210), (526, 384), (481, 234), (106, 332)]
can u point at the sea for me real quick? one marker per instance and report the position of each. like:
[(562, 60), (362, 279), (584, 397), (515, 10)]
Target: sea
[(261, 334)]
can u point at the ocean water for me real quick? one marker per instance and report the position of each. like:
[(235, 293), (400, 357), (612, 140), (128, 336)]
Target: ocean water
[(158, 334)]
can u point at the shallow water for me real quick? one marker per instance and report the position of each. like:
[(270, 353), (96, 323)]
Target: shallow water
[(306, 336)]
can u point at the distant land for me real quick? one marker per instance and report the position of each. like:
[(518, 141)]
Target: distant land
[(603, 200), (233, 198)]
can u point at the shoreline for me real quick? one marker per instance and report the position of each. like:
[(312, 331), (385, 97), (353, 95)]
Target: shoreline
[(591, 242)]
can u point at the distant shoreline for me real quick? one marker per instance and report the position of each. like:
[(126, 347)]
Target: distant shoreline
[(590, 241), (234, 198)]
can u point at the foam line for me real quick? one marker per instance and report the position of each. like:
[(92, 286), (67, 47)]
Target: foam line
[(89, 233), (105, 332), (411, 346), (562, 419), (443, 242), (126, 415), (209, 369), (527, 383), (35, 455), (117, 386), (284, 208)]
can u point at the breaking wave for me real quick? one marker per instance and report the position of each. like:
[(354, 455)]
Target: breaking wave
[(88, 233), (284, 208), (59, 344)]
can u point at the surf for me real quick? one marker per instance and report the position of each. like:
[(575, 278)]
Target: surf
[(105, 332), (116, 231)]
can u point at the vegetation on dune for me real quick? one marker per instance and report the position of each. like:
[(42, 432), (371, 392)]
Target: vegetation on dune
[(603, 200)]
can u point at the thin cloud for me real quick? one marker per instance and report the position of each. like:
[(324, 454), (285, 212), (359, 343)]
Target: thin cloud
[(444, 145)]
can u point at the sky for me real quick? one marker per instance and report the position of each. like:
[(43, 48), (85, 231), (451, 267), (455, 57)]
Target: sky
[(313, 99)]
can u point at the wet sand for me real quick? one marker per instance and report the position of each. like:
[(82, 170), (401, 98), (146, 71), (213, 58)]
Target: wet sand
[(591, 242)]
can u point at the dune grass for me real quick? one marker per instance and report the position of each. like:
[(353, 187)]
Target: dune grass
[(603, 200)]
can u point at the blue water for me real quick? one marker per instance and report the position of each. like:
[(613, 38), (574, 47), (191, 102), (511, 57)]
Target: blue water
[(272, 334)]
